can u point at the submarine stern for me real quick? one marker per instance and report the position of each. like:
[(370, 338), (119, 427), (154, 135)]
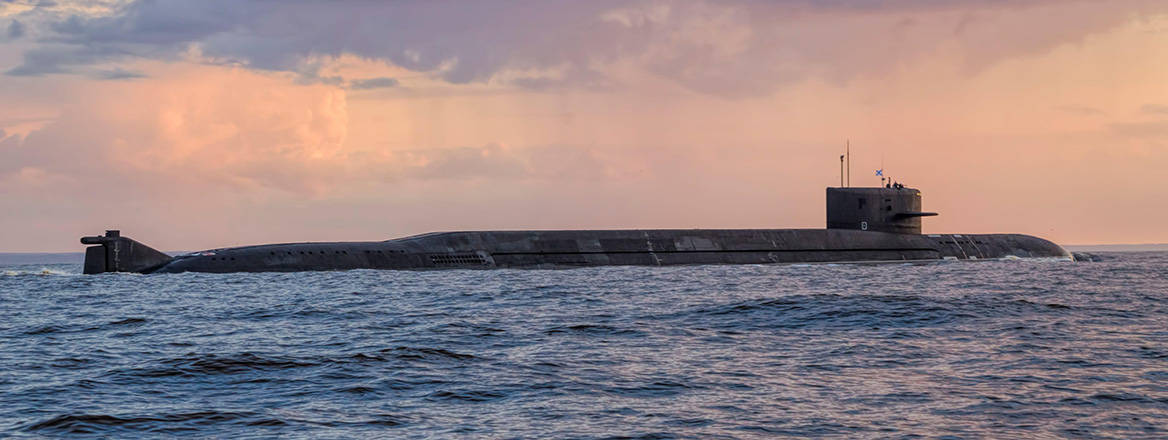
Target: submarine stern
[(113, 253)]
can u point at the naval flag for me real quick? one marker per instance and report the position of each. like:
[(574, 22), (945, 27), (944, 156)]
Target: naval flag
[(880, 173)]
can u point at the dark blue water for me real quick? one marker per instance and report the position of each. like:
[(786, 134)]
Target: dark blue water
[(990, 349)]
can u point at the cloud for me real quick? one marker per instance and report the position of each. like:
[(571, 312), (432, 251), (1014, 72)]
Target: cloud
[(15, 30), (1146, 130), (1155, 109), (51, 59), (490, 161), (28, 177), (496, 162), (241, 131), (734, 48), (117, 73), (373, 83), (18, 128), (215, 126), (1082, 110)]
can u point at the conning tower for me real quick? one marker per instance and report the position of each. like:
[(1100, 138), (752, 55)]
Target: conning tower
[(890, 209)]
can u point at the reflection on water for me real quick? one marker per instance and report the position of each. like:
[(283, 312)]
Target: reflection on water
[(999, 349)]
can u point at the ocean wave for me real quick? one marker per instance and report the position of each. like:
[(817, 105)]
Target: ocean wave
[(818, 311), (193, 365), (44, 271), (162, 424)]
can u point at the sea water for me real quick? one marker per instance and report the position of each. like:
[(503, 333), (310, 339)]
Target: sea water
[(1020, 348)]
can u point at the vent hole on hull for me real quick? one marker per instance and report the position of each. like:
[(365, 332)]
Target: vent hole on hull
[(458, 259)]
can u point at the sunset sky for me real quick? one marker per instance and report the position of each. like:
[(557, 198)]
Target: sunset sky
[(200, 124)]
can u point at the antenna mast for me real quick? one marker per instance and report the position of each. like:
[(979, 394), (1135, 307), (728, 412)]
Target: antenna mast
[(849, 153)]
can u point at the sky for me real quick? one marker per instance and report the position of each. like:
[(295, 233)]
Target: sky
[(195, 125)]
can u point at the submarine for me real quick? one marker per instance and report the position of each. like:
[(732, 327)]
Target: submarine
[(864, 225)]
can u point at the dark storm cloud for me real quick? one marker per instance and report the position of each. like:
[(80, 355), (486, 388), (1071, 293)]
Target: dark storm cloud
[(373, 83), (117, 73), (15, 30), (478, 38), (49, 59), (768, 42)]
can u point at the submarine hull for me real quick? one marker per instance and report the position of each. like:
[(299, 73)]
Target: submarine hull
[(863, 225), (563, 249)]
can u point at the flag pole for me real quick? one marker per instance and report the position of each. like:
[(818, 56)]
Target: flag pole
[(849, 152)]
